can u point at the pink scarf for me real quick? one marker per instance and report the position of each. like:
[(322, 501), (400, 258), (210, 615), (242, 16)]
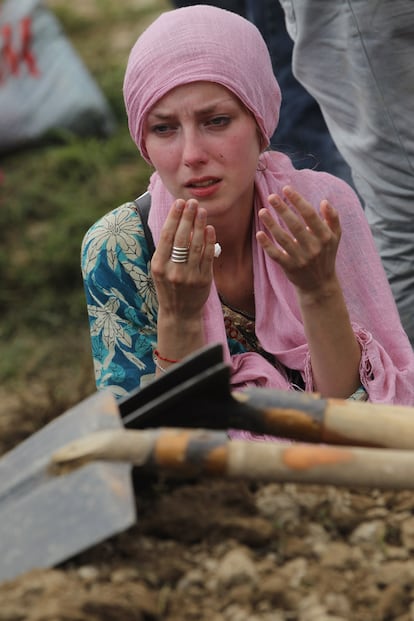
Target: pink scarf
[(387, 362), (200, 43)]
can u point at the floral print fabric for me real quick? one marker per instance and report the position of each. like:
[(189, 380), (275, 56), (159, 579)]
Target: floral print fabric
[(122, 311)]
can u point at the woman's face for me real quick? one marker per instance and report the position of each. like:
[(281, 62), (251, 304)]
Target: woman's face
[(204, 144)]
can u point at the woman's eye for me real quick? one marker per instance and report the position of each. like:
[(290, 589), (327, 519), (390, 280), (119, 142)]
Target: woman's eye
[(161, 129), (219, 121)]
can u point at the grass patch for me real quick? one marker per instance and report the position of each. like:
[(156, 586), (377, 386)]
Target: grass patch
[(49, 196)]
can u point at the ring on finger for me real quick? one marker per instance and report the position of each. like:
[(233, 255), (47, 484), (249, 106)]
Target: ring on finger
[(179, 254)]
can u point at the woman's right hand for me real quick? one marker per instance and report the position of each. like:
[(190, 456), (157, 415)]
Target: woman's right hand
[(183, 288)]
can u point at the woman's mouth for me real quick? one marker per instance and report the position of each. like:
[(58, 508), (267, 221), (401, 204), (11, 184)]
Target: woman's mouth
[(202, 184), (201, 188)]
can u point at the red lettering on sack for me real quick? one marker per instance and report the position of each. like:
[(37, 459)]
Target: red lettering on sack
[(12, 59)]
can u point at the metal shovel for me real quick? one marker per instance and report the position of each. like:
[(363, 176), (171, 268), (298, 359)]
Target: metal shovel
[(44, 518), (197, 394)]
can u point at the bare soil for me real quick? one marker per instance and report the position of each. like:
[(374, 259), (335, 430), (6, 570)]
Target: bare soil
[(219, 550)]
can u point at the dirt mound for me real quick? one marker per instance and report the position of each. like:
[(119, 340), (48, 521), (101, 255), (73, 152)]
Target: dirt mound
[(216, 550)]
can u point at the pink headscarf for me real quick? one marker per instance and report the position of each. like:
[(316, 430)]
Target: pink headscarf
[(196, 43), (204, 43)]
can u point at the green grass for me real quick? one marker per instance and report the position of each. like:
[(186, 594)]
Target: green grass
[(49, 195)]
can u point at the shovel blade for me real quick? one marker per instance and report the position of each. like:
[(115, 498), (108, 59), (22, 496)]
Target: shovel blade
[(64, 516), (47, 518)]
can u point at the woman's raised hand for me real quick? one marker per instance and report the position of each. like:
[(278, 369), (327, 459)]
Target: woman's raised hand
[(183, 287), (306, 249)]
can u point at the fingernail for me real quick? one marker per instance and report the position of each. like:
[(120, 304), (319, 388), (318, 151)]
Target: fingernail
[(179, 204), (191, 205)]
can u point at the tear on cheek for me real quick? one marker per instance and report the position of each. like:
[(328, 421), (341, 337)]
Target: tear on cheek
[(217, 250)]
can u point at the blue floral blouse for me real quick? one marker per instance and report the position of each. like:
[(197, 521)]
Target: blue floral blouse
[(121, 299)]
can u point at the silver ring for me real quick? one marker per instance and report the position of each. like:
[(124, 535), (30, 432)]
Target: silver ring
[(179, 255)]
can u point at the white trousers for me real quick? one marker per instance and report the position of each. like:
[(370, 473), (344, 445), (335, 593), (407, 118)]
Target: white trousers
[(356, 57)]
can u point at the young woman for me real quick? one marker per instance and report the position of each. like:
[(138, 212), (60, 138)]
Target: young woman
[(297, 296)]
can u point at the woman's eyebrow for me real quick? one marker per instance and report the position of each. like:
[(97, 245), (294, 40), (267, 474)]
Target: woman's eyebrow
[(209, 109), (162, 116)]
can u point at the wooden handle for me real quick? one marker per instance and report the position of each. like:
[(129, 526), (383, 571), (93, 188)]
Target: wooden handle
[(306, 417), (211, 453), (189, 451)]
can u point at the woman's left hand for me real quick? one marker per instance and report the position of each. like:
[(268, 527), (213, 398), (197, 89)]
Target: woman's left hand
[(307, 249)]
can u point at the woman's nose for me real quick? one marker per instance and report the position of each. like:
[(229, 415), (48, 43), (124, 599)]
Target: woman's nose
[(194, 152)]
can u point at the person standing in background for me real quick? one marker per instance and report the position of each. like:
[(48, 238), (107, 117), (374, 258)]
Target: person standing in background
[(356, 58)]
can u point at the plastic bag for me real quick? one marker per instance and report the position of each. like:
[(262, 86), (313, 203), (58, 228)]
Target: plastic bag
[(44, 84)]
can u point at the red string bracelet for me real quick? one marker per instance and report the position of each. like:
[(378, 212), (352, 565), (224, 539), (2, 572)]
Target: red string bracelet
[(157, 354)]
